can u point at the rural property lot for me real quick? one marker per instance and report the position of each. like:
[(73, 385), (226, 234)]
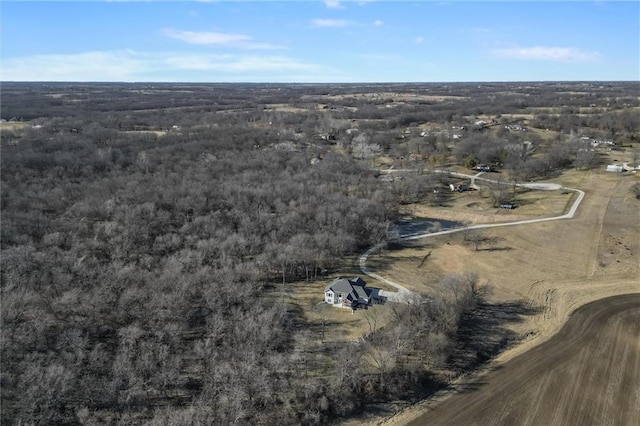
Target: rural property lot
[(555, 267), (587, 374)]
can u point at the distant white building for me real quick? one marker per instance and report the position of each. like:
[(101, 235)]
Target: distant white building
[(615, 168)]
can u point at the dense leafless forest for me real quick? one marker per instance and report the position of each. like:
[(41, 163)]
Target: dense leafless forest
[(149, 232)]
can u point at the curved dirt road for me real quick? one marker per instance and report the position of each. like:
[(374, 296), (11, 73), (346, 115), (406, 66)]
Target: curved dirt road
[(587, 374), (404, 294)]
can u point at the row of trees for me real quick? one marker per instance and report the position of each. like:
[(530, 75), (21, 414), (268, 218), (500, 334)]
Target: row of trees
[(621, 125)]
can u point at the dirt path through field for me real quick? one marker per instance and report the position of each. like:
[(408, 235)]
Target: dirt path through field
[(587, 374)]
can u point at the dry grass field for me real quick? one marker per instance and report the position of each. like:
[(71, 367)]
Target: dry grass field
[(146, 132), (14, 125), (474, 207), (555, 267), (284, 108), (338, 325), (396, 96)]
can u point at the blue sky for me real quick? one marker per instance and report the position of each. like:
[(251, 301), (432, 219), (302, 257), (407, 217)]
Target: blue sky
[(320, 41)]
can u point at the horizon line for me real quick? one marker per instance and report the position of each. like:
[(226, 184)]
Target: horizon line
[(308, 82)]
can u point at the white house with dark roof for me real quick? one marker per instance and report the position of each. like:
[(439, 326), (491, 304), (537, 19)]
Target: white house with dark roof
[(348, 293)]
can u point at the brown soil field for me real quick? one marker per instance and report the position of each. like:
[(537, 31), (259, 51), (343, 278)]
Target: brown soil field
[(587, 374)]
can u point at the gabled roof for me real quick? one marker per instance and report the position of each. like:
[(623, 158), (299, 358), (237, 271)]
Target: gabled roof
[(353, 289), (361, 292), (345, 285)]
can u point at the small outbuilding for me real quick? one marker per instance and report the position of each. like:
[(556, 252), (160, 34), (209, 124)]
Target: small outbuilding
[(459, 187), (614, 168)]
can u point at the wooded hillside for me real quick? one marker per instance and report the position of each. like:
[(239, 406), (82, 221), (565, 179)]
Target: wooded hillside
[(149, 233)]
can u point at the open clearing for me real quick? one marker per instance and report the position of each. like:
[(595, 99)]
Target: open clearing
[(331, 324), (14, 125), (555, 265), (474, 207), (147, 132), (396, 96), (588, 373)]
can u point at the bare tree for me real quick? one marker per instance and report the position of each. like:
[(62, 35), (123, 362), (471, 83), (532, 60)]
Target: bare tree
[(372, 316), (382, 358), (348, 365)]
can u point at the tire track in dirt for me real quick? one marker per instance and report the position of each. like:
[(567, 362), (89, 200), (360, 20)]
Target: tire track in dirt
[(593, 266), (586, 374)]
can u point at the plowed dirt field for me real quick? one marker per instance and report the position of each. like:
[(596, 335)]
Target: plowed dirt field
[(587, 374)]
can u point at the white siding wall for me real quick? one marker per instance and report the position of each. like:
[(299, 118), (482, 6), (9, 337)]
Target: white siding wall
[(330, 297)]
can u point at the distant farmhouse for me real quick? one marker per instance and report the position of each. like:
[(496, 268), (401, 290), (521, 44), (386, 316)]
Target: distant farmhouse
[(516, 127), (597, 142), (483, 168), (459, 187), (348, 293)]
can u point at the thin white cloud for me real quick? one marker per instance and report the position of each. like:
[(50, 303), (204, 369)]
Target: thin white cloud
[(419, 40), (105, 66), (476, 30), (130, 65), (333, 4), (378, 57), (193, 37), (330, 23), (231, 63), (378, 23), (548, 53), (206, 38)]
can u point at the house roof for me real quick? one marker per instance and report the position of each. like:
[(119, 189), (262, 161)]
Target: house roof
[(361, 292), (345, 285), (353, 288)]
